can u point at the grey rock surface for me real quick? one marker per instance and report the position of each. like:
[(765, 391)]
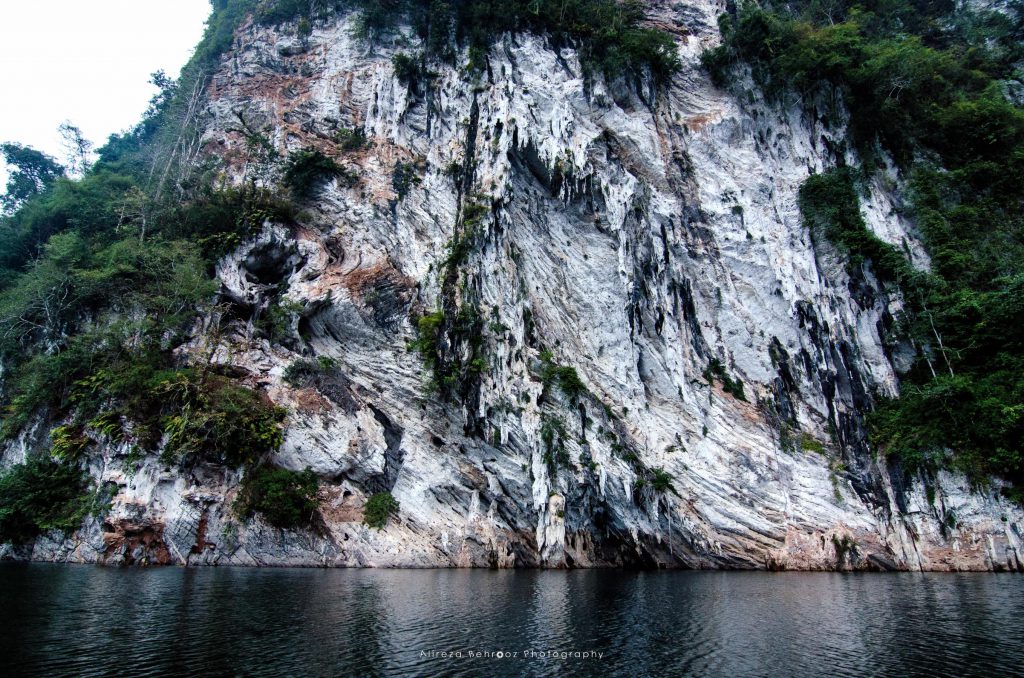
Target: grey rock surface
[(635, 232)]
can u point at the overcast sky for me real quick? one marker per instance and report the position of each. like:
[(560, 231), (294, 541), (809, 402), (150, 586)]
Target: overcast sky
[(87, 61)]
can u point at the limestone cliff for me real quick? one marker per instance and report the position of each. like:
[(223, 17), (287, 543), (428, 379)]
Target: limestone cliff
[(646, 236)]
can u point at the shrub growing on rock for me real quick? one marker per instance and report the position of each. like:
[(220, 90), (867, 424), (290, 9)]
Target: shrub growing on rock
[(42, 494), (285, 499), (378, 509), (308, 169), (218, 420)]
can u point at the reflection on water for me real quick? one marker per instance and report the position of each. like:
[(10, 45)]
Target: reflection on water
[(81, 620)]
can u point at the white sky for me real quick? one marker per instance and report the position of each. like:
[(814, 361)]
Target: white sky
[(87, 61)]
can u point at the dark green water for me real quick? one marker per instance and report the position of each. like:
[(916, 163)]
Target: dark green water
[(84, 621)]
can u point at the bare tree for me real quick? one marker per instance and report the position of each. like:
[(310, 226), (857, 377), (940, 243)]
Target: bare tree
[(77, 149)]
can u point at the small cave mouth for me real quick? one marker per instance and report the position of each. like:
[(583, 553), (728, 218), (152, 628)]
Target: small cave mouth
[(271, 263)]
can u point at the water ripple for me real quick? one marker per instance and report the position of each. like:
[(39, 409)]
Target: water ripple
[(86, 621)]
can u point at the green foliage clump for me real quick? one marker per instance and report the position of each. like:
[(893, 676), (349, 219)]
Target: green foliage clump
[(830, 206), (41, 495), (844, 546), (562, 376), (286, 499), (379, 508), (552, 434), (661, 481), (31, 173), (102, 278), (219, 220), (68, 443), (716, 370), (146, 295), (404, 177), (275, 322), (465, 238), (809, 443), (351, 138), (217, 420), (428, 333), (308, 169), (302, 372), (898, 86), (407, 69), (607, 33), (451, 349)]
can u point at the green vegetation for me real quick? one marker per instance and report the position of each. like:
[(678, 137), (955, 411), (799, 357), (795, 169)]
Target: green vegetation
[(275, 322), (404, 177), (407, 69), (285, 499), (379, 509), (465, 238), (40, 495), (33, 173), (553, 435), (844, 546), (101, 280), (830, 205), (607, 33), (912, 75), (351, 138), (303, 372), (451, 344), (308, 169), (562, 376), (68, 443), (451, 370), (214, 419), (809, 443), (661, 481), (716, 370), (930, 84)]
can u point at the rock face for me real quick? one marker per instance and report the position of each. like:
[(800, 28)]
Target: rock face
[(637, 234)]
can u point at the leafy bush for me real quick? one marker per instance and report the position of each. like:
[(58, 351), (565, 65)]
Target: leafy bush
[(716, 370), (809, 443), (32, 173), (307, 170), (351, 138), (379, 509), (218, 221), (404, 177), (217, 420), (552, 434), (41, 495), (302, 372), (562, 376), (407, 69), (661, 481), (285, 499), (830, 206), (275, 322), (451, 371), (68, 443)]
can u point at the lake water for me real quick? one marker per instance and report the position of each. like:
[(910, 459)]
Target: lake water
[(62, 620)]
